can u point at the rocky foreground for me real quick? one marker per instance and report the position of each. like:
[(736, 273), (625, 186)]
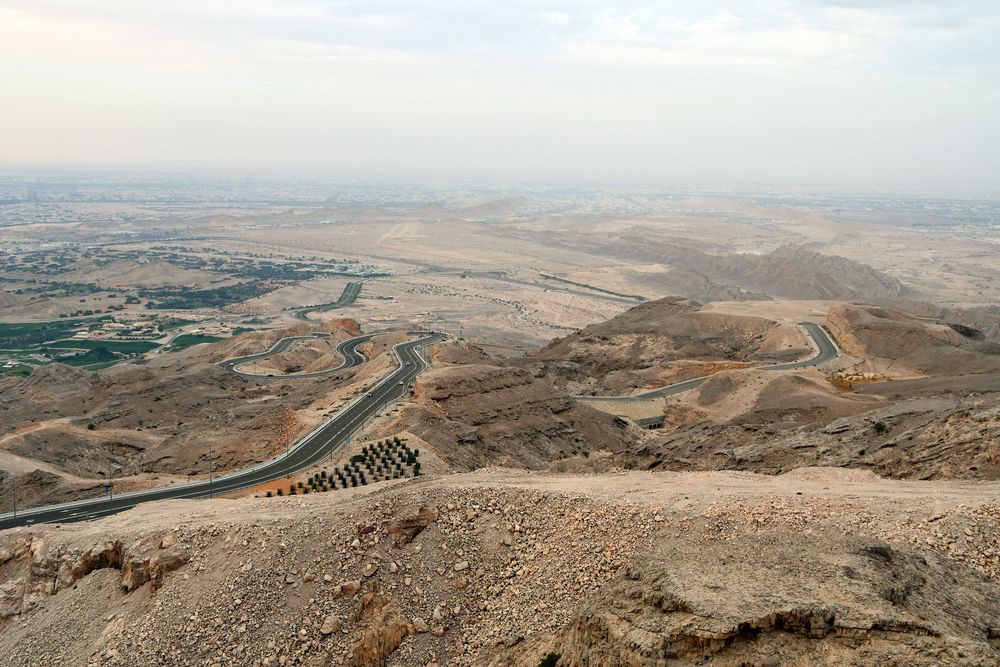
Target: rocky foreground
[(497, 567)]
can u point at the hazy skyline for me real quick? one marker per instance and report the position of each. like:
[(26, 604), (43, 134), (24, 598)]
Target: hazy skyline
[(890, 94)]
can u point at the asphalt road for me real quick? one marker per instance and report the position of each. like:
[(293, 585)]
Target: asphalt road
[(348, 350), (347, 297), (312, 448), (826, 350)]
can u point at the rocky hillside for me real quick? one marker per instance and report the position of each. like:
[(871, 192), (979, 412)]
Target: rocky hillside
[(662, 341), (790, 272), (480, 414), (940, 437), (498, 567), (897, 343)]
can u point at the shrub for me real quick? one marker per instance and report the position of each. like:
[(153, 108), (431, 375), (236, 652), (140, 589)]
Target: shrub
[(880, 427), (90, 427), (269, 494), (280, 493), (357, 458), (549, 660)]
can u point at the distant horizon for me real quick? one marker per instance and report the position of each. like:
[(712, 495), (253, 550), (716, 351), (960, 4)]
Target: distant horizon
[(431, 181), (848, 94)]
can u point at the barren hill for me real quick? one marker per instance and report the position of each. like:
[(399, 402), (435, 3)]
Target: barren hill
[(892, 341), (656, 342), (789, 272), (501, 567), (476, 415)]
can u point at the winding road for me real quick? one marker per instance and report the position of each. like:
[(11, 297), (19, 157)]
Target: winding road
[(820, 340), (347, 297), (332, 434), (321, 442), (348, 350)]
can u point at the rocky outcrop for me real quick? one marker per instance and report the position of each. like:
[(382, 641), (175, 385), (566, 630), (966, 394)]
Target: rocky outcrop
[(408, 526), (32, 570), (651, 616), (382, 629), (137, 570)]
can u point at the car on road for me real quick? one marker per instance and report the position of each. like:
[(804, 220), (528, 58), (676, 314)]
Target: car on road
[(400, 383), (369, 394)]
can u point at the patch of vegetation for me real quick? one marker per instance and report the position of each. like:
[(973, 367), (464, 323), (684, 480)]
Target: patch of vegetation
[(123, 346), (187, 340), (178, 298), (98, 355), (22, 335), (549, 660), (880, 427)]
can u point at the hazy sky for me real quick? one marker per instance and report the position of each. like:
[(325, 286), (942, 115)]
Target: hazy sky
[(880, 94)]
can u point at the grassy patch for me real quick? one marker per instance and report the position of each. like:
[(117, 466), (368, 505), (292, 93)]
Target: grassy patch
[(22, 370), (187, 340), (20, 335), (176, 298), (98, 355), (123, 346)]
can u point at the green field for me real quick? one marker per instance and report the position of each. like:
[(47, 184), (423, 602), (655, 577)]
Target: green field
[(187, 340), (123, 346), (98, 355), (23, 370), (22, 335)]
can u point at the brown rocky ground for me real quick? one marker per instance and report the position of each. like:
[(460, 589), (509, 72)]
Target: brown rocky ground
[(482, 414), (900, 345), (944, 437), (815, 567), (664, 341)]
